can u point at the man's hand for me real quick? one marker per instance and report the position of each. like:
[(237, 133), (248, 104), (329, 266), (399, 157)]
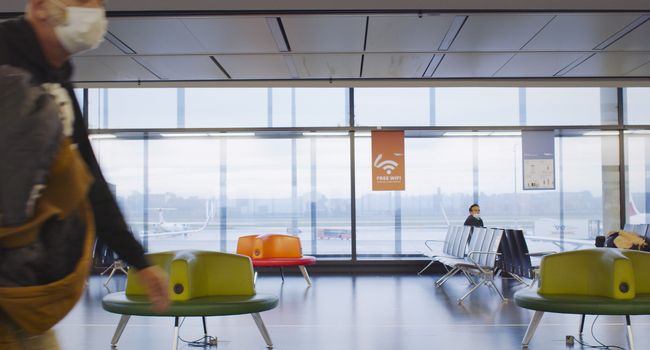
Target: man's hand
[(156, 283)]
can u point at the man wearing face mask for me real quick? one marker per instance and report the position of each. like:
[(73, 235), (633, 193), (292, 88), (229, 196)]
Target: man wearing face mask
[(474, 218), (41, 43)]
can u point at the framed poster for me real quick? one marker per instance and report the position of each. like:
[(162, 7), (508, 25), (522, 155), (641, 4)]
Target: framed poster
[(538, 153)]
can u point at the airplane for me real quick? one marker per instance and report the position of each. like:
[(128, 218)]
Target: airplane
[(170, 229)]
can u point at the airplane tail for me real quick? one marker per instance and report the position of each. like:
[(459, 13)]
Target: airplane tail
[(631, 208), (444, 213)]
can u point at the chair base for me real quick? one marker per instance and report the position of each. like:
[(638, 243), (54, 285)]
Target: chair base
[(537, 317), (125, 319)]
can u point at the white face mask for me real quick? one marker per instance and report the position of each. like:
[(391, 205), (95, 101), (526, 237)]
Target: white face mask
[(476, 216), (83, 29)]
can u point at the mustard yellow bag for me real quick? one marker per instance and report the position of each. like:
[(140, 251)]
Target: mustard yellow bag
[(37, 308)]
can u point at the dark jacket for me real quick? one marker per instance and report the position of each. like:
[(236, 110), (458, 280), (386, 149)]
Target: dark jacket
[(19, 47), (472, 221)]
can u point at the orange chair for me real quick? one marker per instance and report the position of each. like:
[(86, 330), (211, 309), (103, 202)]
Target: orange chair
[(273, 249)]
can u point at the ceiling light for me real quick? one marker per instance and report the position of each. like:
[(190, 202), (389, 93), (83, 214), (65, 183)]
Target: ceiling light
[(506, 133), (638, 132), (101, 136), (183, 135), (467, 133), (231, 134), (325, 133), (600, 133)]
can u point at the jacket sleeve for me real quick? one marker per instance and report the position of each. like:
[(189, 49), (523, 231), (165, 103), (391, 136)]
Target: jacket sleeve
[(109, 221), (468, 221)]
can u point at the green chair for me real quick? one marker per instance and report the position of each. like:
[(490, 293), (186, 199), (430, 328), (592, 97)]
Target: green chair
[(600, 281), (201, 284)]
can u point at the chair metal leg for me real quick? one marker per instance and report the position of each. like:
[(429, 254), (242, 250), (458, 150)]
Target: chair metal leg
[(491, 283), (532, 327), (109, 277), (120, 328), (426, 267), (255, 278), (205, 329), (630, 338), (469, 277), (518, 279), (282, 273), (175, 340), (265, 333), (303, 270), (447, 276), (582, 324), (475, 287)]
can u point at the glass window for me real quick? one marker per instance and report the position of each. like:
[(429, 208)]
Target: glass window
[(392, 106), (122, 162), (325, 107), (96, 110), (637, 106), (141, 108), (79, 95), (586, 171), (323, 189), (183, 200), (477, 106), (438, 190), (571, 106), (262, 199), (226, 107), (637, 155)]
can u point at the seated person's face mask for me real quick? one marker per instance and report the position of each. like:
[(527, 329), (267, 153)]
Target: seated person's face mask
[(83, 28), (476, 215)]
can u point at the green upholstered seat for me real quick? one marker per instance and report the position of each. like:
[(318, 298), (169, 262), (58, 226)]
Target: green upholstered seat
[(572, 304), (222, 305), (201, 284), (599, 281)]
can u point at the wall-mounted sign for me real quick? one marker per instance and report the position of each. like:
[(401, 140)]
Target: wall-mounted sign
[(388, 161), (538, 153)]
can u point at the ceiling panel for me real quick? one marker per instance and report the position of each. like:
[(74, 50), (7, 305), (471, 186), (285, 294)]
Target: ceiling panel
[(155, 35), (327, 66), (407, 33), (255, 66), (498, 32), (643, 71), (251, 5), (232, 34), (105, 48), (479, 65), (609, 64), (638, 39), (579, 32), (325, 33), (183, 67), (538, 64), (395, 65), (109, 69)]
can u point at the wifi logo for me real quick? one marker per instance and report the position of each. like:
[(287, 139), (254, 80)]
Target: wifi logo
[(387, 165)]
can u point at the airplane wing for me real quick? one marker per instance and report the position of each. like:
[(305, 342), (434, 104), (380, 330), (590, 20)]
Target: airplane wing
[(176, 233)]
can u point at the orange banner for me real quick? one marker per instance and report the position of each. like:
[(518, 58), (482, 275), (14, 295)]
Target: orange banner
[(388, 161)]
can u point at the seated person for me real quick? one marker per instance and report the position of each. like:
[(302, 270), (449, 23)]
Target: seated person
[(474, 218), (626, 240)]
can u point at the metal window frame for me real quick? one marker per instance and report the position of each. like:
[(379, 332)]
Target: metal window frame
[(147, 134)]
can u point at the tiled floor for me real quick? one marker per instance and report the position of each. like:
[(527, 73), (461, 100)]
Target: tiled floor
[(353, 312)]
